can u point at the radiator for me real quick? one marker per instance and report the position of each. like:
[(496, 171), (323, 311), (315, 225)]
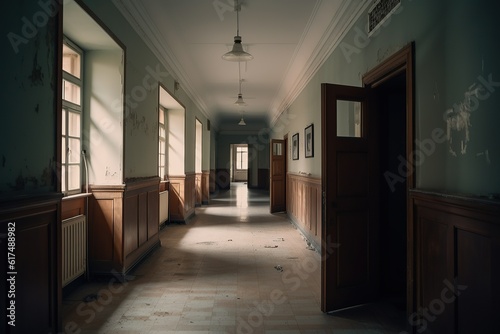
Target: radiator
[(163, 207), (74, 248)]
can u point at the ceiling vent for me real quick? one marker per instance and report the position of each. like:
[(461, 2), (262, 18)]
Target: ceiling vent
[(380, 12)]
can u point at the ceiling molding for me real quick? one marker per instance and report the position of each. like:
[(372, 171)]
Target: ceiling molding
[(140, 21), (343, 20)]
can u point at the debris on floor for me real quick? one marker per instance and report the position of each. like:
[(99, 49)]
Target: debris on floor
[(267, 246), (279, 239), (207, 243), (229, 239), (310, 247), (278, 268)]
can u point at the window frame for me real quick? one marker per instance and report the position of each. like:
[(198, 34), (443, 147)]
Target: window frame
[(240, 154), (162, 156), (67, 108)]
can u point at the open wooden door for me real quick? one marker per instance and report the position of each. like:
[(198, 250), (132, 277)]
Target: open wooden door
[(350, 191), (277, 175)]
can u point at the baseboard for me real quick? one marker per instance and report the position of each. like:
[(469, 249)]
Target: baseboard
[(310, 240)]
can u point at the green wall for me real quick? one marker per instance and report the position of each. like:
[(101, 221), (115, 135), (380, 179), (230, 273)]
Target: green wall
[(456, 45), (141, 112), (27, 117)]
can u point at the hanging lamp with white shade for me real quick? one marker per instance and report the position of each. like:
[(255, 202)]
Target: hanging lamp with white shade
[(239, 101), (237, 53)]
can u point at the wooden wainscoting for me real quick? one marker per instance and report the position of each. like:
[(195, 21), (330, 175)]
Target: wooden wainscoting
[(181, 197), (140, 220), (189, 195), (73, 206), (304, 205), (163, 186), (205, 187), (105, 229), (198, 188), (212, 181), (457, 257), (123, 225), (35, 228)]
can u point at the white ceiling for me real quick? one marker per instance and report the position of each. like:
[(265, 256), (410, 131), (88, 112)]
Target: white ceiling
[(289, 39)]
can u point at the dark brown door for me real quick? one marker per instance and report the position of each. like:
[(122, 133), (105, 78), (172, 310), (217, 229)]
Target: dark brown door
[(278, 177), (350, 205)]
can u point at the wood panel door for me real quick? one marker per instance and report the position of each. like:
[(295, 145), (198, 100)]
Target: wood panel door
[(350, 206), (278, 177)]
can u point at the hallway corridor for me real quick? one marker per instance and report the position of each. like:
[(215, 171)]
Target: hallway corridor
[(233, 268)]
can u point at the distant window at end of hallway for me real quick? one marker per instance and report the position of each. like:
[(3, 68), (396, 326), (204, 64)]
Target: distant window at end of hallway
[(242, 158)]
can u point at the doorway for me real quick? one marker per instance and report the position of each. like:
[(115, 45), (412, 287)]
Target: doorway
[(391, 106), (239, 163), (365, 244)]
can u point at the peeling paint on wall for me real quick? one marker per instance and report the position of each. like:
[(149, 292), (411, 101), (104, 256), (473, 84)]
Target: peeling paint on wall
[(47, 178), (458, 122), (36, 76), (138, 123), (458, 117), (25, 182), (110, 173)]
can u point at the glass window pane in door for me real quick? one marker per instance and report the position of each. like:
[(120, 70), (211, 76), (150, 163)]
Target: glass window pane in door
[(277, 149), (349, 118)]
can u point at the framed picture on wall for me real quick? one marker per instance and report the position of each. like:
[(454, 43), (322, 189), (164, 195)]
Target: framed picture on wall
[(309, 141), (295, 146)]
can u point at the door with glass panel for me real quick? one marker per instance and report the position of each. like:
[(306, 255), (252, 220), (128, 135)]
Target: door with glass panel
[(277, 175), (350, 201)]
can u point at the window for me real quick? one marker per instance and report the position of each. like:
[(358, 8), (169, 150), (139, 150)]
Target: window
[(71, 119), (162, 139), (241, 157)]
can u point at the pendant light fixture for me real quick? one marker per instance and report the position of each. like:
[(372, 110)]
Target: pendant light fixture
[(239, 101), (237, 53), (242, 121)]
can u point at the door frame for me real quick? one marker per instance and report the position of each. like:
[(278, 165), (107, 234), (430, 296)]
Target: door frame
[(403, 62), (400, 62)]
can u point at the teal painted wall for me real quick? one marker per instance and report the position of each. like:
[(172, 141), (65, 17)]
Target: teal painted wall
[(28, 114), (456, 46), (141, 112), (259, 142)]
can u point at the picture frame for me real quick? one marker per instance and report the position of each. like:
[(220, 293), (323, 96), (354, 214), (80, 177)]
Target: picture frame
[(309, 141), (295, 146)]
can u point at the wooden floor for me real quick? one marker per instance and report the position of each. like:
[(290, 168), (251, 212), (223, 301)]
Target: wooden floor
[(234, 268)]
